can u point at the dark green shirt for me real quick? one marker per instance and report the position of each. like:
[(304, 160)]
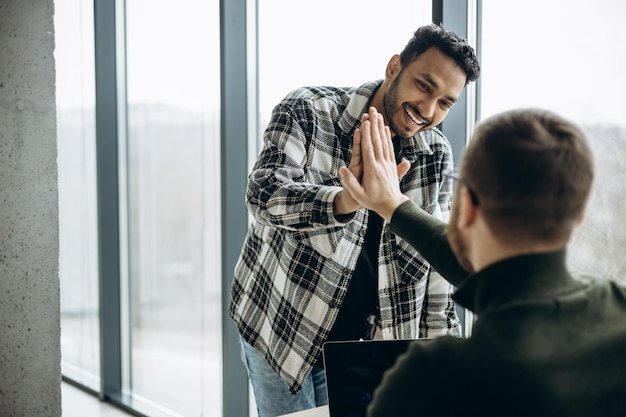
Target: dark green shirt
[(544, 344)]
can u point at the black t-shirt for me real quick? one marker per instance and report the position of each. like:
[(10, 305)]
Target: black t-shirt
[(361, 299)]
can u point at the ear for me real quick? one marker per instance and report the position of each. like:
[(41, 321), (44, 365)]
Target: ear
[(393, 67), (468, 211)]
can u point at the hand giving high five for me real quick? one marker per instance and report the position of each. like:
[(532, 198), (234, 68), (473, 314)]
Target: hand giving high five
[(378, 188)]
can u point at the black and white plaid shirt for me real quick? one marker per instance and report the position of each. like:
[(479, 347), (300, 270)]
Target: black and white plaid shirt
[(298, 257)]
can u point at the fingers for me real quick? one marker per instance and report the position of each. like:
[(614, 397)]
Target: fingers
[(351, 183), (370, 143), (356, 161), (391, 152), (403, 168), (386, 144), (375, 125), (377, 154), (378, 136), (356, 148), (375, 185)]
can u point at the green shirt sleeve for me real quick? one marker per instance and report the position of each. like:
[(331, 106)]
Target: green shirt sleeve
[(429, 237)]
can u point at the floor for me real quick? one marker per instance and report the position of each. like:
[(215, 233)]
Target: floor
[(78, 403)]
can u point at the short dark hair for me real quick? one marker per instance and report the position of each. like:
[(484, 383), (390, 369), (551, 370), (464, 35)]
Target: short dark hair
[(447, 42), (531, 171)]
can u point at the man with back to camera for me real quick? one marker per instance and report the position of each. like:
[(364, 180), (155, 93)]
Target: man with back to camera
[(545, 343), (316, 266)]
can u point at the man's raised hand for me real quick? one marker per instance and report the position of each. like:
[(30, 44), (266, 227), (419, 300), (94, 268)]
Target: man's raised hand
[(378, 188)]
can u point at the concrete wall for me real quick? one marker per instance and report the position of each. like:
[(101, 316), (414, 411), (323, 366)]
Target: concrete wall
[(30, 369)]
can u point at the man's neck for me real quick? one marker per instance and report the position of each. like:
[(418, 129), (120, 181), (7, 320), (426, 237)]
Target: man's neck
[(488, 250)]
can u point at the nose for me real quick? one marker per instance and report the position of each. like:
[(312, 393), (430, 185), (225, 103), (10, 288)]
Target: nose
[(427, 108)]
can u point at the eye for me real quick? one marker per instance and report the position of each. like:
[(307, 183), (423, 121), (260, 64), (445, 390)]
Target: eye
[(445, 105), (423, 86)]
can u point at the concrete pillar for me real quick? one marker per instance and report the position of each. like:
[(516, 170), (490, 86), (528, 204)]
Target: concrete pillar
[(30, 355)]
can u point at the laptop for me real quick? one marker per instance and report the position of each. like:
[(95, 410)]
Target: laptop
[(354, 369)]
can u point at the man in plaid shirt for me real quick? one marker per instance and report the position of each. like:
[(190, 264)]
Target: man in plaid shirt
[(315, 266)]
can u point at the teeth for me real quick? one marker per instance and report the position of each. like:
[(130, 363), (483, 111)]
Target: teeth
[(414, 117)]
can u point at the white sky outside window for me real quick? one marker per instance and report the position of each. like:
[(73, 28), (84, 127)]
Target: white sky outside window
[(564, 55), (330, 42), (567, 56)]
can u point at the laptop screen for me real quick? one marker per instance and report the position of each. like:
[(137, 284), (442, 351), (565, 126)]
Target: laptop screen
[(354, 369)]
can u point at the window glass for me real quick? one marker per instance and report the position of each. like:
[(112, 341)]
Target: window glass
[(78, 256), (563, 55), (329, 42), (172, 208)]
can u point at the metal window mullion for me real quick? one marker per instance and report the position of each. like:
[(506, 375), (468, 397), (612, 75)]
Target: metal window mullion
[(455, 15), (234, 145), (108, 198)]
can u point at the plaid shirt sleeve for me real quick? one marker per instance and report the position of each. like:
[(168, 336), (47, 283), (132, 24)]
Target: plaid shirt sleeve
[(295, 179)]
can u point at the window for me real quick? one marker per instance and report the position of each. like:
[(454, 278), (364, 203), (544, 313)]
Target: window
[(560, 55), (172, 206), (78, 245)]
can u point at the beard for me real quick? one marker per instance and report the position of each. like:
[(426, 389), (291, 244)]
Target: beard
[(392, 107), (457, 243)]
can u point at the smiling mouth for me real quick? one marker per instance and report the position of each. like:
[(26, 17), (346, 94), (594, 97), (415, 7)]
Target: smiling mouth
[(415, 118)]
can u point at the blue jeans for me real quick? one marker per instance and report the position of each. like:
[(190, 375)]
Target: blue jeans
[(272, 394)]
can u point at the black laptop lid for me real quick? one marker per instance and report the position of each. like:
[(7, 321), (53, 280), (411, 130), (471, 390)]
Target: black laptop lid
[(354, 369)]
